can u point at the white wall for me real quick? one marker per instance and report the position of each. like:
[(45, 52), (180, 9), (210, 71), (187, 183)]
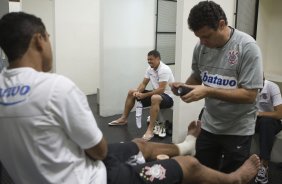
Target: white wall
[(269, 31), (4, 7), (185, 41), (43, 9), (74, 29), (77, 42), (127, 35)]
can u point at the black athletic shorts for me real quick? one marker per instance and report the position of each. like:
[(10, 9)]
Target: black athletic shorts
[(167, 101), (119, 171)]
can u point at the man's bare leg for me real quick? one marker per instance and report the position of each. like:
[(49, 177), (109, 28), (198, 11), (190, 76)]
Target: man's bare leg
[(194, 172), (151, 150), (154, 110), (129, 104)]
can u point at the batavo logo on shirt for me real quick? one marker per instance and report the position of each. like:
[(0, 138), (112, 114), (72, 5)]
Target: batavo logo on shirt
[(219, 81), (14, 95)]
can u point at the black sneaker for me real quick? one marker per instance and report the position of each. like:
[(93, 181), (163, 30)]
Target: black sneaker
[(262, 176), (168, 127), (162, 132)]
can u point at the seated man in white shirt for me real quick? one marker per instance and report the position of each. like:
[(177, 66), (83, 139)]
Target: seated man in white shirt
[(268, 124), (160, 76)]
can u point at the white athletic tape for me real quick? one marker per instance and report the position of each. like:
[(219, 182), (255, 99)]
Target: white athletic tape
[(162, 157), (187, 147)]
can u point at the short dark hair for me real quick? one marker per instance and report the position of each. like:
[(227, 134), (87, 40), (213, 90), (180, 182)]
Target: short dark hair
[(154, 53), (206, 13), (16, 31)]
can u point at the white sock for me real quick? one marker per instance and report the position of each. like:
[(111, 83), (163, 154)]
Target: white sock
[(187, 147)]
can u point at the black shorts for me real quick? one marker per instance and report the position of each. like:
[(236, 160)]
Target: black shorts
[(120, 172), (167, 101)]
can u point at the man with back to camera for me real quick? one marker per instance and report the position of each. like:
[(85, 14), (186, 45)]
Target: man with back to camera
[(48, 133), (160, 97), (227, 73)]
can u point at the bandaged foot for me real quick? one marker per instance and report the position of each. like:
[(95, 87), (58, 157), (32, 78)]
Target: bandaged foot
[(187, 147)]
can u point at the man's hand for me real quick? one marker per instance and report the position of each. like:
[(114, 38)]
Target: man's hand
[(139, 95), (199, 92), (174, 87)]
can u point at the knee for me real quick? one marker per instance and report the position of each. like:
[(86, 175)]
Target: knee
[(192, 163), (156, 99), (141, 144), (131, 91), (188, 164)]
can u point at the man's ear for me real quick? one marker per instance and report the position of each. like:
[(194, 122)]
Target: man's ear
[(38, 41), (221, 24)]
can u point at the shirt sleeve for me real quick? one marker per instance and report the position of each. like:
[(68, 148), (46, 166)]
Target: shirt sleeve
[(72, 110), (164, 74), (250, 72), (275, 94), (195, 60), (147, 73)]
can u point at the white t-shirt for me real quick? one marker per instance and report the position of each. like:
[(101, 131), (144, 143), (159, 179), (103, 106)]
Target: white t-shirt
[(163, 73), (269, 97), (45, 124)]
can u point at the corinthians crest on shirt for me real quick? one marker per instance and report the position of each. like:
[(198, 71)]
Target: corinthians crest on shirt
[(233, 57)]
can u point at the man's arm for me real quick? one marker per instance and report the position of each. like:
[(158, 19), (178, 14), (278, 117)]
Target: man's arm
[(193, 80), (159, 90), (99, 151), (143, 85), (239, 95), (276, 114)]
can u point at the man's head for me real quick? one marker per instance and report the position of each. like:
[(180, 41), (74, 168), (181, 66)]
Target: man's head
[(154, 58), (19, 32), (208, 21)]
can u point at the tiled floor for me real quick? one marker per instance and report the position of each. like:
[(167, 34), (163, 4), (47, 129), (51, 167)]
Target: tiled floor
[(122, 133)]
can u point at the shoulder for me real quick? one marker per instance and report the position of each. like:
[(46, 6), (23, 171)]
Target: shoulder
[(243, 37), (164, 67), (60, 79), (271, 85), (57, 83), (245, 43)]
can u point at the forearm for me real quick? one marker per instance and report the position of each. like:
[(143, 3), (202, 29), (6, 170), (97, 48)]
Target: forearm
[(192, 80), (274, 115), (141, 88), (98, 152), (155, 91), (239, 95)]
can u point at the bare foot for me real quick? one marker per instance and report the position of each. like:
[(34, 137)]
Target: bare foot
[(247, 171), (148, 135), (194, 128), (119, 121)]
